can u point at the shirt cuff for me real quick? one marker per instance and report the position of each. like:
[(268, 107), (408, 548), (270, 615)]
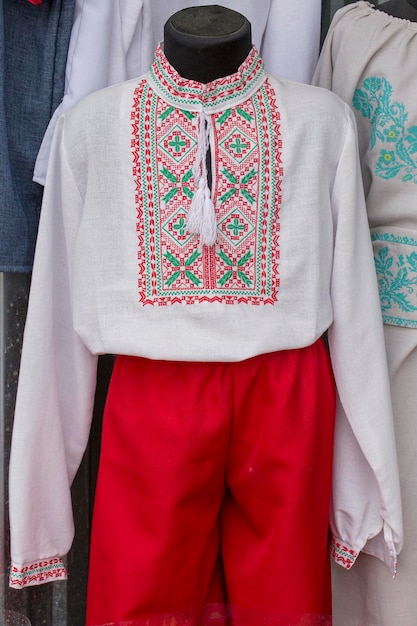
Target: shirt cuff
[(37, 573), (380, 547), (342, 554)]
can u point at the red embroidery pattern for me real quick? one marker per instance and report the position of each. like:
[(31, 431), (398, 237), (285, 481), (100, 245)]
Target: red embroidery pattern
[(36, 573), (243, 265), (220, 91), (343, 555), (273, 197)]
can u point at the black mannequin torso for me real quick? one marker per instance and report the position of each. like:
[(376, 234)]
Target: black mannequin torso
[(208, 42), (406, 9), (205, 43)]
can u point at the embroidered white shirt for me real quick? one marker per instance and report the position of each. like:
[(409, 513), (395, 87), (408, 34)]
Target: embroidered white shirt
[(117, 271)]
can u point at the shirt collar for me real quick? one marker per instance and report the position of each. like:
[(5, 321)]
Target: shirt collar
[(218, 95)]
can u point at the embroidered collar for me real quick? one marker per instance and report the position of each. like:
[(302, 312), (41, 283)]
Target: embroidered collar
[(212, 97)]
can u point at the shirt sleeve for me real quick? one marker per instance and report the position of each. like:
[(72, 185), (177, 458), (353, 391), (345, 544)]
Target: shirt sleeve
[(291, 41), (366, 504), (110, 42), (55, 394)]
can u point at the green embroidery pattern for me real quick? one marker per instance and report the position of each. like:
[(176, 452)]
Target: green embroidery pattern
[(397, 278), (182, 267), (243, 265), (235, 268), (223, 89), (239, 188), (388, 119), (181, 183)]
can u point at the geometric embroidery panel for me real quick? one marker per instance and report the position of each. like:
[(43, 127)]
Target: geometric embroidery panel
[(177, 143), (243, 265), (176, 227), (238, 145), (236, 227)]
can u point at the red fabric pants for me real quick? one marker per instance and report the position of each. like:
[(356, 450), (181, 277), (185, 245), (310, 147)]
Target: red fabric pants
[(213, 493)]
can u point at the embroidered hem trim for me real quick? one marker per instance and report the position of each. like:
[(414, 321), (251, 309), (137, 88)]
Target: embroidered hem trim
[(342, 555), (37, 573)]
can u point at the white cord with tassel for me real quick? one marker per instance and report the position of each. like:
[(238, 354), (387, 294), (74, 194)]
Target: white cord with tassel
[(202, 217)]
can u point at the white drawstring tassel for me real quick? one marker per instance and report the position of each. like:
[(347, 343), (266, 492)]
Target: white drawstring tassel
[(202, 217), (208, 232), (195, 214)]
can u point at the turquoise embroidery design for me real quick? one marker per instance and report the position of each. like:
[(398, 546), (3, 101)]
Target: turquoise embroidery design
[(388, 119), (397, 280)]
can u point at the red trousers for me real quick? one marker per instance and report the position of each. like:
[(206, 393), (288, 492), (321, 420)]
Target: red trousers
[(213, 493)]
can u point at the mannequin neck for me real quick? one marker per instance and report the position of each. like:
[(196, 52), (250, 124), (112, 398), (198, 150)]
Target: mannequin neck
[(208, 42), (406, 9)]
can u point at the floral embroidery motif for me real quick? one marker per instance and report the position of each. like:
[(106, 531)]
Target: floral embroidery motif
[(243, 264), (397, 278), (388, 119)]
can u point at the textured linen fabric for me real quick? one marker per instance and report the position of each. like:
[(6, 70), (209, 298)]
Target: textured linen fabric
[(118, 272), (113, 41), (368, 60), (33, 51)]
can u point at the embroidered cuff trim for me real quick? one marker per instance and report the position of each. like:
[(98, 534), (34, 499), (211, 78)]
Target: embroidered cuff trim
[(37, 573), (343, 555)]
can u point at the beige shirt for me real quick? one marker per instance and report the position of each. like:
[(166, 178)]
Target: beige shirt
[(368, 60)]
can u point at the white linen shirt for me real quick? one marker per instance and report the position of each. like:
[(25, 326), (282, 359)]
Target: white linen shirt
[(117, 271)]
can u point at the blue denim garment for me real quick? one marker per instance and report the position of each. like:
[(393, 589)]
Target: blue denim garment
[(33, 52)]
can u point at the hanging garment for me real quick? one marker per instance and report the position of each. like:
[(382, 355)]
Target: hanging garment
[(369, 60), (118, 271), (33, 50), (114, 41), (231, 459)]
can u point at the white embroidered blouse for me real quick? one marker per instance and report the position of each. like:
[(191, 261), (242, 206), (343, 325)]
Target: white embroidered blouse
[(368, 60), (117, 271)]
